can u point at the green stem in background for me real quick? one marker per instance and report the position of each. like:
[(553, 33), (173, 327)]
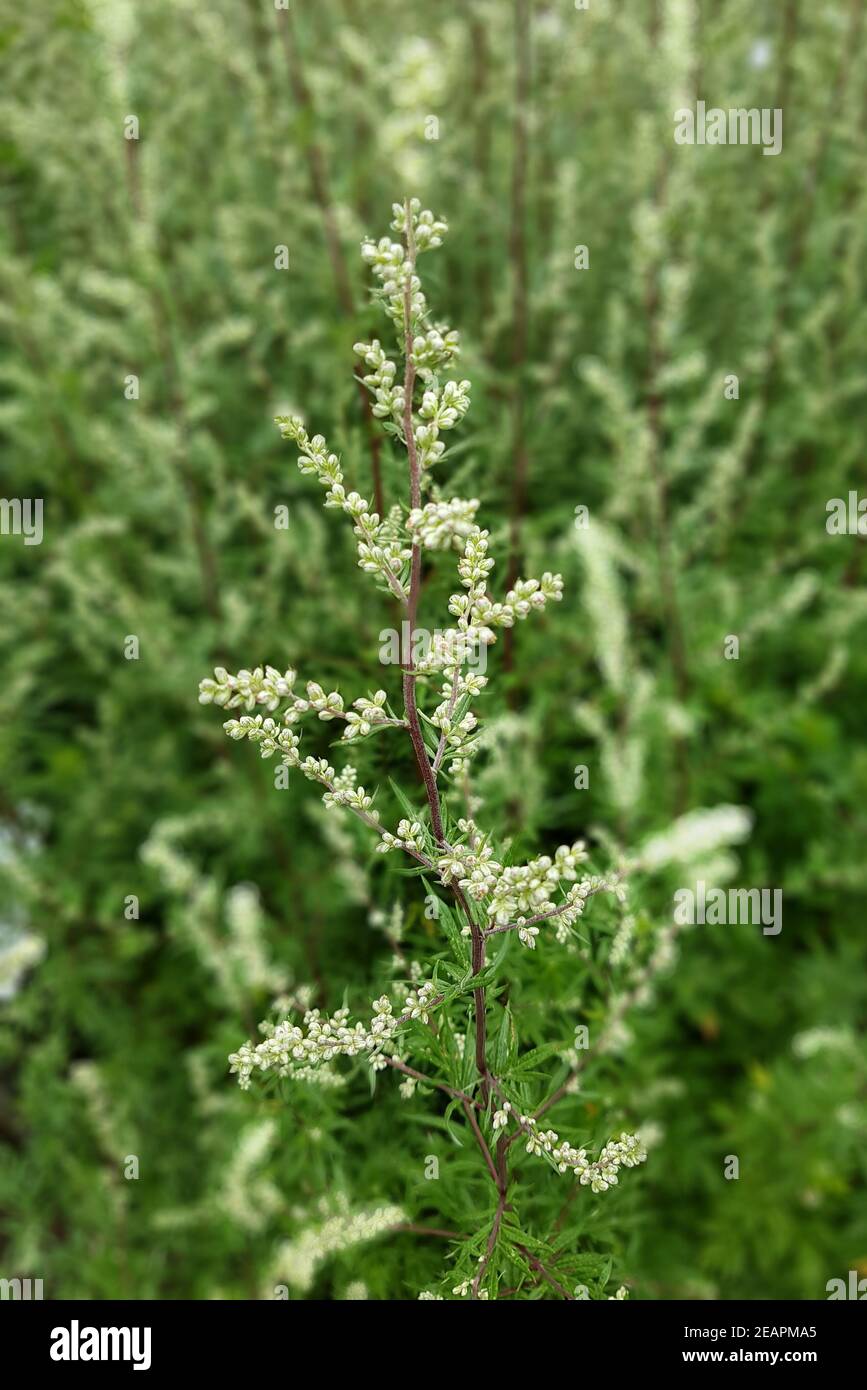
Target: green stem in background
[(480, 59), (518, 258), (653, 404), (320, 186)]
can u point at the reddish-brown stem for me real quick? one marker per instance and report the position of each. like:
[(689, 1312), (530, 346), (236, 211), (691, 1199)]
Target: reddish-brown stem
[(415, 732), (429, 1081), (414, 1230), (492, 1241), (549, 1278), (560, 1092), (480, 1140), (412, 716)]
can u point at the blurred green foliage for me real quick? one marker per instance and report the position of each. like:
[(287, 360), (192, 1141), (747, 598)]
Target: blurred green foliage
[(155, 259)]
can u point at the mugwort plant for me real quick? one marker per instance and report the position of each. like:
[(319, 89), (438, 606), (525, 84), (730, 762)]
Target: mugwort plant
[(451, 1027)]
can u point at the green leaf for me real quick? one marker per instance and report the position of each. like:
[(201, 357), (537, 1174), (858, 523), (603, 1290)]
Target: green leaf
[(492, 970), (535, 1056), (408, 809), (506, 1044), (452, 929)]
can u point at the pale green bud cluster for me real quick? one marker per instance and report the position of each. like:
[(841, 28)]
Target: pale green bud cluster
[(455, 727), (410, 836), (513, 893), (267, 733), (476, 610), (367, 712), (441, 409), (388, 261), (625, 1152), (326, 706), (379, 551), (394, 269), (289, 1046), (434, 350), (428, 231), (389, 397), (598, 1174), (439, 525), (249, 688)]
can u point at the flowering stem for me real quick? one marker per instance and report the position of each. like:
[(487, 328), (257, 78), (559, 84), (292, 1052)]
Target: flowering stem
[(517, 926), (485, 890), (380, 723), (407, 1018), (413, 720), (546, 916), (441, 747), (415, 732)]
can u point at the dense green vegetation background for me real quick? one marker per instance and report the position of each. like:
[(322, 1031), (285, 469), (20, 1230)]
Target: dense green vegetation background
[(601, 387)]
